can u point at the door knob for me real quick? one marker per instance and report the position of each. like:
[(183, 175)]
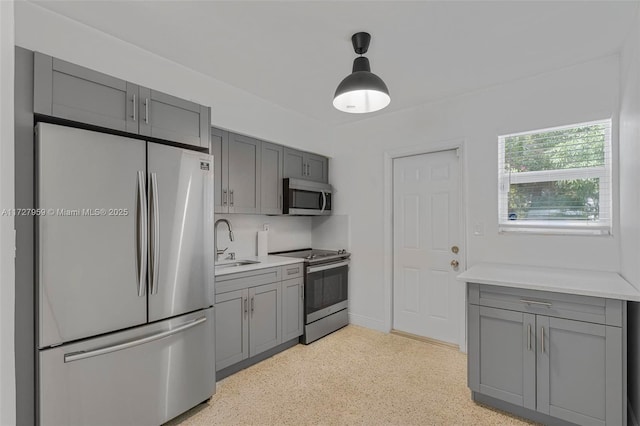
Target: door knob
[(455, 249), (454, 264)]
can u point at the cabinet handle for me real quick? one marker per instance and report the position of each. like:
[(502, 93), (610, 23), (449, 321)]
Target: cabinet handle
[(252, 304), (224, 197), (542, 340), (293, 271), (535, 302), (302, 292), (231, 197), (134, 107), (246, 306), (529, 336), (146, 110)]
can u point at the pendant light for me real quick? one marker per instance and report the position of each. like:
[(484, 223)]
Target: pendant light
[(362, 91)]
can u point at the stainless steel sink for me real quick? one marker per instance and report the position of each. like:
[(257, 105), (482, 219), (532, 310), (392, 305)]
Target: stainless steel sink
[(235, 263)]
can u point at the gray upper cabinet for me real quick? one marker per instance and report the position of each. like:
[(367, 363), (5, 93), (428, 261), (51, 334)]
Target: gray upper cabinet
[(271, 178), (304, 165), (294, 165), (219, 150), (167, 117), (537, 356), (244, 156), (317, 168), (72, 92), (237, 162), (292, 308), (68, 91)]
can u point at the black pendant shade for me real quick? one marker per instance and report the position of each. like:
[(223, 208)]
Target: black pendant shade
[(362, 91)]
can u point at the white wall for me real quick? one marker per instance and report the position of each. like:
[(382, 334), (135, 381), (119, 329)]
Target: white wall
[(630, 200), (285, 233), (580, 93), (44, 31), (7, 239), (630, 157)]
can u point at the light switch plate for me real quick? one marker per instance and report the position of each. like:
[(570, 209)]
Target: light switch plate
[(265, 227), (478, 229)]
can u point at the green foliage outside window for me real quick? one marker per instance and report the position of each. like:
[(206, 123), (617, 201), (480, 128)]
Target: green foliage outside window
[(576, 199)]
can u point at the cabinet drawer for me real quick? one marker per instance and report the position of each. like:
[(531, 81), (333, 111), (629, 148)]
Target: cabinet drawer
[(292, 271), (561, 305), (242, 280)]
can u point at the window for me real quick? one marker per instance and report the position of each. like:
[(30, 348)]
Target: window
[(556, 180)]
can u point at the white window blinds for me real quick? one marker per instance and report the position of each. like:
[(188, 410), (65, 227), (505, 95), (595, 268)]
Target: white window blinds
[(556, 180)]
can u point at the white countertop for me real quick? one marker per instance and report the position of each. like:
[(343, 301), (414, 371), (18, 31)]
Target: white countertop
[(265, 262), (573, 281)]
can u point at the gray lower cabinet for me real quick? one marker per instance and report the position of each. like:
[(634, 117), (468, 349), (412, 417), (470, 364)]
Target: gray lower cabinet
[(292, 308), (232, 328), (68, 91), (304, 165), (256, 311), (247, 323), (505, 368), (265, 328), (530, 355)]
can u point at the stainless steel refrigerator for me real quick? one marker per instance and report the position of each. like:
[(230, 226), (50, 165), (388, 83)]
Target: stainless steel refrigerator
[(125, 278)]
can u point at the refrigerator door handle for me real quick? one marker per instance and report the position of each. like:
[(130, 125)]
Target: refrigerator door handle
[(155, 233), (76, 356), (141, 243)]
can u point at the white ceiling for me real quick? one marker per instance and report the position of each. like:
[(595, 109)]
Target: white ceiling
[(294, 54)]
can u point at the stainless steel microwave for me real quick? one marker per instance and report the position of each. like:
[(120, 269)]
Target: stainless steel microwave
[(306, 198)]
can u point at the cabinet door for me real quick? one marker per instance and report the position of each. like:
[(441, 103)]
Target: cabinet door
[(244, 174), (232, 328), (317, 168), (579, 371), (265, 320), (294, 164), (292, 308), (502, 360), (220, 150), (170, 118), (72, 92), (271, 179)]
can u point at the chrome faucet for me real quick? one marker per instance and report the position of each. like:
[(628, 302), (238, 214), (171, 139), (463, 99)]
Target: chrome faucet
[(215, 236)]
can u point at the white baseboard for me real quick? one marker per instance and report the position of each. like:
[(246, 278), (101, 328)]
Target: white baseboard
[(631, 417), (367, 322)]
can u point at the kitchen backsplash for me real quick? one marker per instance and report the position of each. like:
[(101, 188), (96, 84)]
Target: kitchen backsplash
[(285, 233)]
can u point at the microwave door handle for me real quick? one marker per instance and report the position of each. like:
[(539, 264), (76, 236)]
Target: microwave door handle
[(324, 201)]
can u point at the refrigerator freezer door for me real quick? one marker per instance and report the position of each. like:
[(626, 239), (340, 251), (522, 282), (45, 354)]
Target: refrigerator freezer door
[(88, 241), (181, 271), (142, 376)]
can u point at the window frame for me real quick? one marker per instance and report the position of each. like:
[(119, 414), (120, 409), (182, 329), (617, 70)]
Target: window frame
[(572, 227)]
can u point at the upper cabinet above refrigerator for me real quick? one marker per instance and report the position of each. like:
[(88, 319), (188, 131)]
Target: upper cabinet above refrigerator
[(68, 91)]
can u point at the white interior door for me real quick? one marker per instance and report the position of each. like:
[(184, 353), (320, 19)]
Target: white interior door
[(426, 235)]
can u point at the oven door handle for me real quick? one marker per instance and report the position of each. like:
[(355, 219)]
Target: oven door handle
[(312, 269)]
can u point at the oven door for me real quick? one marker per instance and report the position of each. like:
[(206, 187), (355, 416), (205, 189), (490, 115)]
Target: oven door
[(325, 290)]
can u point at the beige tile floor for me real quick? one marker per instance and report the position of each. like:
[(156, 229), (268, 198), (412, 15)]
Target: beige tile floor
[(354, 376)]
